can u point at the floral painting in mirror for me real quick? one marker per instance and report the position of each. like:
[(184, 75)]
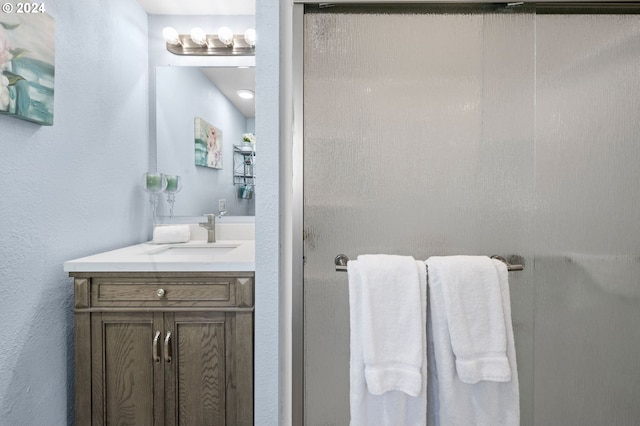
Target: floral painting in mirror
[(208, 144), (27, 59)]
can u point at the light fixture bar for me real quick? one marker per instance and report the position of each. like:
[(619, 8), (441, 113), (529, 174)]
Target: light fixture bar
[(212, 47)]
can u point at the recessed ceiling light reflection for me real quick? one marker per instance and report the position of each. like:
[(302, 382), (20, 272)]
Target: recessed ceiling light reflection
[(245, 94)]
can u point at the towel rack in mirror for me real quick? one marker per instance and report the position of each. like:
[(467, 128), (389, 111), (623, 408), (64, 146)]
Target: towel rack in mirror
[(342, 259)]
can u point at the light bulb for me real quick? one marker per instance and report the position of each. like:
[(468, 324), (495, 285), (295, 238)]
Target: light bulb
[(250, 37), (170, 35), (225, 35), (198, 36)]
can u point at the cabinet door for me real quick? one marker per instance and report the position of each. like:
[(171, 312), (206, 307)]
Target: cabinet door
[(126, 373), (196, 368)]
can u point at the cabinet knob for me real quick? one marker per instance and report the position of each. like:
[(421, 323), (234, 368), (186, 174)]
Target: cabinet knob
[(160, 292)]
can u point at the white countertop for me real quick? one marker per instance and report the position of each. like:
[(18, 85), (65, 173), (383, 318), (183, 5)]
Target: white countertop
[(234, 256)]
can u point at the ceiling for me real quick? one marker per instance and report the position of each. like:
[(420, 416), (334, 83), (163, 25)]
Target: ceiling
[(199, 7), (227, 80)]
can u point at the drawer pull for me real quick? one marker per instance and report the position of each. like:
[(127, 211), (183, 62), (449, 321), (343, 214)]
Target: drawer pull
[(160, 292), (167, 348), (154, 347)]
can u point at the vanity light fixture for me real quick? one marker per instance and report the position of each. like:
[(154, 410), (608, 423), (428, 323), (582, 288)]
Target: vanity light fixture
[(199, 43), (245, 94)]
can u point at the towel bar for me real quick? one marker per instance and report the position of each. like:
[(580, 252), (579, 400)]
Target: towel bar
[(342, 259)]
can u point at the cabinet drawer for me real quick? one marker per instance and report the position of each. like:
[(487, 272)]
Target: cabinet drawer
[(141, 292)]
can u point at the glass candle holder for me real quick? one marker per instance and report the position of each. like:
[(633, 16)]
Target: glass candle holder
[(174, 185), (153, 184)]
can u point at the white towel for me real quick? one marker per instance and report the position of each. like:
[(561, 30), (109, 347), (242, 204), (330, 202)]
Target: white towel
[(388, 376), (166, 234), (478, 402), (473, 303)]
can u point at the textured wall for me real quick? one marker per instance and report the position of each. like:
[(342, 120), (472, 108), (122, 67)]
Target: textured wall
[(269, 283), (68, 191)]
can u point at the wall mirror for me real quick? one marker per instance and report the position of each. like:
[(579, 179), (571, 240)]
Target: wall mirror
[(182, 88), (184, 93)]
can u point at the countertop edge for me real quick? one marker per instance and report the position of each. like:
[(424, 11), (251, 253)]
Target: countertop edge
[(135, 259), (164, 267)]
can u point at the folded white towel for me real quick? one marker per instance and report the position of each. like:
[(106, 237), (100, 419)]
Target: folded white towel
[(166, 234), (452, 401), (388, 364), (473, 303), (392, 323)]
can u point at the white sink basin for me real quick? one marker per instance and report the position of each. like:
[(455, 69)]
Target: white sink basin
[(202, 249)]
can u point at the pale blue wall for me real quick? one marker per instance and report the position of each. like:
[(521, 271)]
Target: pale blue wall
[(271, 318), (67, 191)]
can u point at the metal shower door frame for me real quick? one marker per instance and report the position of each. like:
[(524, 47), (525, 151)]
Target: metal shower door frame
[(295, 122)]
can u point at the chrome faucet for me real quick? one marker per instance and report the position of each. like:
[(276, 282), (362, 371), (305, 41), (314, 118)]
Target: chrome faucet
[(210, 226)]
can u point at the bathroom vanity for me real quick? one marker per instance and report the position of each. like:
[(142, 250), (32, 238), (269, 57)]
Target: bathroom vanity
[(164, 334)]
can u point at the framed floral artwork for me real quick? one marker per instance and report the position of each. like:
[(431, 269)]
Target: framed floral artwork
[(208, 144), (27, 59)]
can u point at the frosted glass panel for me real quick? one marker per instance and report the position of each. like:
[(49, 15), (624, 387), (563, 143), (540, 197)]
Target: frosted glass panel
[(418, 140), (482, 133), (587, 323)]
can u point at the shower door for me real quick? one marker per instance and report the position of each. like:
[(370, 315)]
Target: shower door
[(440, 130)]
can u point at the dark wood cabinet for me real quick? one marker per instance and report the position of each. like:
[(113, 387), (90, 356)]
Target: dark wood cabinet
[(164, 349)]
